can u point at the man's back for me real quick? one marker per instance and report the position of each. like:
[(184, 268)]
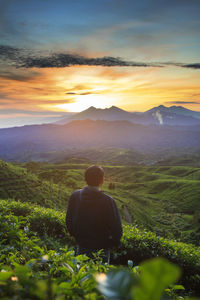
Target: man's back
[(93, 219)]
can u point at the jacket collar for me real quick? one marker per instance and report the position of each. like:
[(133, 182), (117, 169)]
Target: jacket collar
[(92, 188)]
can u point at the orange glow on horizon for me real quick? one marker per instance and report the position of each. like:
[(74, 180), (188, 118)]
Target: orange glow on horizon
[(76, 88)]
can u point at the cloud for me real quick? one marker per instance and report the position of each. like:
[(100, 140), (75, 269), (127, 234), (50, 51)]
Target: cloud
[(18, 76), (61, 60), (82, 94), (24, 58), (11, 101), (182, 102), (29, 112), (8, 52), (87, 93), (192, 66)]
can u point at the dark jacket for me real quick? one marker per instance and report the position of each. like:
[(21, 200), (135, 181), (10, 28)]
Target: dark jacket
[(93, 219)]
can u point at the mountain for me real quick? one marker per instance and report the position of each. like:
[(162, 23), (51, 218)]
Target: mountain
[(174, 115), (25, 140), (179, 110), (109, 114)]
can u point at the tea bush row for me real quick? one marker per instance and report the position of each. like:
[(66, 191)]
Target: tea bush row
[(136, 245), (29, 271)]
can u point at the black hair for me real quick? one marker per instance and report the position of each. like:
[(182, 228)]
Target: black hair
[(94, 175)]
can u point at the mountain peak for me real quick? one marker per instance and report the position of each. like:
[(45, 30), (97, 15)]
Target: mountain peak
[(91, 108), (161, 106), (115, 108)]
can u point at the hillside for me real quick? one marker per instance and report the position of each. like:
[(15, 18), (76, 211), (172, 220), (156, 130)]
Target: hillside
[(164, 199), (16, 183), (159, 198)]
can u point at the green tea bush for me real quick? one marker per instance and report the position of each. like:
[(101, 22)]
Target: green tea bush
[(139, 245), (136, 245), (29, 271)]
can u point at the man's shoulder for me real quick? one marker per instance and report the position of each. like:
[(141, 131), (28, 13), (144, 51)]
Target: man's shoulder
[(107, 197), (75, 194)]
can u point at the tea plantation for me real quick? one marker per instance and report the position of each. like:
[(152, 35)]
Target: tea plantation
[(43, 255), (159, 256), (162, 199)]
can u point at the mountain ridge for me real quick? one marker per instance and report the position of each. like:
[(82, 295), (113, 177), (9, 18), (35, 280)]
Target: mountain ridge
[(174, 115), (99, 133)]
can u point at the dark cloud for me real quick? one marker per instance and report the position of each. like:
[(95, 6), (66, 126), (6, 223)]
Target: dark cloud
[(9, 53), (25, 59), (22, 58), (182, 102), (192, 66), (70, 93), (66, 60)]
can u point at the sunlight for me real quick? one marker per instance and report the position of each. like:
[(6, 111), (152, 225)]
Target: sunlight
[(83, 102)]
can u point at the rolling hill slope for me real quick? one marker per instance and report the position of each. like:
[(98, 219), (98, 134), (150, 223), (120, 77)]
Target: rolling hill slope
[(16, 183)]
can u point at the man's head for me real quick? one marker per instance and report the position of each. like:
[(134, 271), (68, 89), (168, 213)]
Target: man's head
[(94, 175)]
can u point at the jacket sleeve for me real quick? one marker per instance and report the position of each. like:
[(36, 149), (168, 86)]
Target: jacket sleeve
[(69, 215), (115, 224)]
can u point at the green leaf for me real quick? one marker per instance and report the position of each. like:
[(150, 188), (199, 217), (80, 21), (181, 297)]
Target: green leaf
[(156, 275), (22, 273), (5, 275), (178, 287), (117, 284)]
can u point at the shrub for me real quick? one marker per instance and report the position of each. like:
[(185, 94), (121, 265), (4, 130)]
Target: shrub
[(136, 245)]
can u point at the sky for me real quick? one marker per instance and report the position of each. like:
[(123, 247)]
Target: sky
[(67, 55)]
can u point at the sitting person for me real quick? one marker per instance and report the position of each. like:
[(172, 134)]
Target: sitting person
[(93, 217)]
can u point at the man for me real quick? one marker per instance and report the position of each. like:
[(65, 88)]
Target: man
[(93, 218)]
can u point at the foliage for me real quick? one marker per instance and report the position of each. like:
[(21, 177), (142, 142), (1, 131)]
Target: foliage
[(137, 245), (29, 271)]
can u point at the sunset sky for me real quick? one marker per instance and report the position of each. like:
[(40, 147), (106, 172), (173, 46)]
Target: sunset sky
[(67, 55)]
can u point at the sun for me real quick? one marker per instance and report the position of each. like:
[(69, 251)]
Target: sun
[(82, 102)]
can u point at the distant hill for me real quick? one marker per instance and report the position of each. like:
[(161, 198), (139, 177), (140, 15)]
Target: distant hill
[(160, 115), (25, 140)]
